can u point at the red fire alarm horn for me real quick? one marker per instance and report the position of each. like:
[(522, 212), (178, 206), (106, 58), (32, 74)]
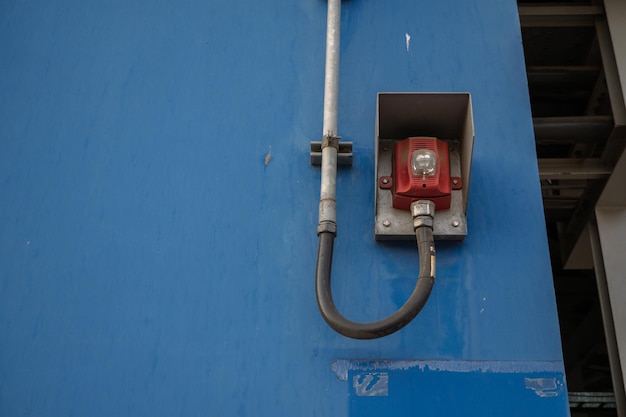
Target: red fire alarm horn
[(421, 171)]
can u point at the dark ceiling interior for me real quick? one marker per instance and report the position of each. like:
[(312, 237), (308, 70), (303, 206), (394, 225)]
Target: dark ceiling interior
[(564, 43)]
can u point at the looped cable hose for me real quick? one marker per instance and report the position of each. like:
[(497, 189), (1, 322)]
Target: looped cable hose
[(394, 322)]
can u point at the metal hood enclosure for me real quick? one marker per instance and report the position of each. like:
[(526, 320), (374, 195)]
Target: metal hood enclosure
[(158, 214)]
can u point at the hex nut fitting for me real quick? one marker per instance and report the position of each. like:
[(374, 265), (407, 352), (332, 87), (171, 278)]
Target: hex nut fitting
[(423, 208), (420, 221)]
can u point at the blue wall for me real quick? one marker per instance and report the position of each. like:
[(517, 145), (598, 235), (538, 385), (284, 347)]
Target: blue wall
[(152, 263)]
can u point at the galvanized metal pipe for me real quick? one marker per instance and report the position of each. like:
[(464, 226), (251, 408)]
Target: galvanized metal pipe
[(328, 192), (331, 81), (328, 188)]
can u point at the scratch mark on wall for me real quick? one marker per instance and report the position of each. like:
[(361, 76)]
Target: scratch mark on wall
[(408, 41), (268, 157)]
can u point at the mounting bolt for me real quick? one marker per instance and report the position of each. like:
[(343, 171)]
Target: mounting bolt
[(456, 223), (385, 180), (455, 181), (386, 223)]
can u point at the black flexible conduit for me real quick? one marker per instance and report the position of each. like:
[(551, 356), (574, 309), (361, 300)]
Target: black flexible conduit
[(394, 322)]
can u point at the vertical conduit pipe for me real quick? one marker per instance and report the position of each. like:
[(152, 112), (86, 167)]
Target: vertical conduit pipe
[(331, 80), (328, 189)]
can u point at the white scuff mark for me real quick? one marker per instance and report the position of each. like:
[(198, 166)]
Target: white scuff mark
[(408, 41), (341, 367), (543, 387), (371, 384), (268, 157), (482, 310)]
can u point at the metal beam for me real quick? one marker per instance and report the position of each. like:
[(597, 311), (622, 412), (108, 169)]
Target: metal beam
[(572, 169), (565, 75), (570, 185), (568, 11), (569, 130), (588, 401), (616, 18), (562, 69), (613, 50), (559, 15)]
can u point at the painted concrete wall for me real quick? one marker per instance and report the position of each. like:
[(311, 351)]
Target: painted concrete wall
[(158, 214)]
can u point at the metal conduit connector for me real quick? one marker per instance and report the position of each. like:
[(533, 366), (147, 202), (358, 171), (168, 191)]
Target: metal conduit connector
[(423, 212)]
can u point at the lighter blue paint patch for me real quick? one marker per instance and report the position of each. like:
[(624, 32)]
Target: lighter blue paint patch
[(471, 388)]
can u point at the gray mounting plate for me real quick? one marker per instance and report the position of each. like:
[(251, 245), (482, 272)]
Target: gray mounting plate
[(394, 224)]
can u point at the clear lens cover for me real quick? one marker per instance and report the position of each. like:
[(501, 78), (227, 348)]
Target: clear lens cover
[(423, 163)]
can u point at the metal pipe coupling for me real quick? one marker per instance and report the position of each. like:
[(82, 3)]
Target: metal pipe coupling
[(423, 212)]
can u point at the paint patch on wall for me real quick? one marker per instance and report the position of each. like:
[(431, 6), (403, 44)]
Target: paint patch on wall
[(371, 384), (453, 388), (341, 367), (543, 387)]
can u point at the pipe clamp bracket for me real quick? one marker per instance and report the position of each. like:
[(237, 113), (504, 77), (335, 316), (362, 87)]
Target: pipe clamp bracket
[(333, 141), (344, 152)]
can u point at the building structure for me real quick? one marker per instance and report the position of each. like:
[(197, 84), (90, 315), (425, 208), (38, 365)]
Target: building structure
[(158, 210)]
